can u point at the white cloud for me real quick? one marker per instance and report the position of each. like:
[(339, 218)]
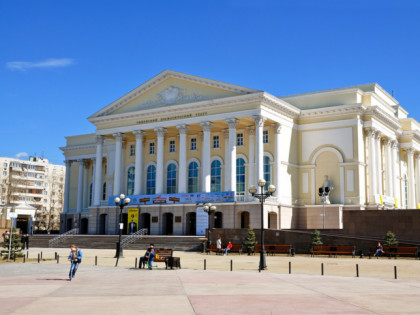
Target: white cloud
[(49, 63), (21, 155)]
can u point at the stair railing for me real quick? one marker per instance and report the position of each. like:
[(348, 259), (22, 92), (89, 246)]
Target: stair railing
[(133, 237), (60, 238)]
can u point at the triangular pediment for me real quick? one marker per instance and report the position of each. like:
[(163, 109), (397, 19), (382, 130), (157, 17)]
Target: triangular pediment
[(171, 88)]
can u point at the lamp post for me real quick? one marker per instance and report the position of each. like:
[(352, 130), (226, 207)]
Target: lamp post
[(261, 197), (323, 192), (209, 208), (120, 202)]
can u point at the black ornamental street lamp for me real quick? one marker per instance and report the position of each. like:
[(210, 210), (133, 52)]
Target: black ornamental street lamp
[(209, 208), (262, 196), (121, 202)]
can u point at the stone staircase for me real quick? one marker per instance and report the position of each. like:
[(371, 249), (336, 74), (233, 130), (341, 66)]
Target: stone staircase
[(182, 243)]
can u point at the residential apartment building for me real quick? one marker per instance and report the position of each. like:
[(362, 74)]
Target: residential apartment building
[(34, 189)]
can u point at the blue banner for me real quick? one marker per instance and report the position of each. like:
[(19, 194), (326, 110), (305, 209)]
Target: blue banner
[(194, 198)]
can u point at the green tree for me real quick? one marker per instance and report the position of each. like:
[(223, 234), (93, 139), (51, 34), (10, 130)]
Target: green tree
[(315, 239), (249, 242), (16, 247), (390, 239)]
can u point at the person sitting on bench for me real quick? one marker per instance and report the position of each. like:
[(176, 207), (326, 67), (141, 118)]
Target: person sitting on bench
[(379, 250), (145, 258), (228, 248)]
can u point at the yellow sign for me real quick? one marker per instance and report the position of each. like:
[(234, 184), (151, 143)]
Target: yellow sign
[(418, 205), (396, 203), (382, 199), (132, 220)]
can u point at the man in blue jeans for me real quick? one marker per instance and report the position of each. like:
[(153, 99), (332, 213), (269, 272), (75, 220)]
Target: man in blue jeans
[(75, 258), (151, 258)]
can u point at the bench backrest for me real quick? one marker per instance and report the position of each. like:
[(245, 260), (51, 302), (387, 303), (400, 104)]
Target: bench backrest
[(164, 253), (269, 247), (332, 248), (236, 247), (396, 249)]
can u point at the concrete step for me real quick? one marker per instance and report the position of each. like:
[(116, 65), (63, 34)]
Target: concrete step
[(185, 243)]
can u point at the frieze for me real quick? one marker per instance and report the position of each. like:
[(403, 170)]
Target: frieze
[(148, 121)]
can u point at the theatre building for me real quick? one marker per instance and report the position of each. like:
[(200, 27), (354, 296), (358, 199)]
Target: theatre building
[(178, 141)]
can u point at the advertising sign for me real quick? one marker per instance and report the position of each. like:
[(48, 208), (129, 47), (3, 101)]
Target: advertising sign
[(194, 198), (202, 221), (132, 220)]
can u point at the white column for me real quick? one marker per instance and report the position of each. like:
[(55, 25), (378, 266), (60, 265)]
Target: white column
[(396, 172), (138, 170), (159, 160), (371, 135), (182, 174), (418, 179), (379, 163), (227, 160), (80, 186), (232, 154), (98, 171), (67, 187), (118, 157), (389, 178), (251, 156), (259, 125), (93, 181), (85, 184), (205, 160), (277, 159), (411, 183)]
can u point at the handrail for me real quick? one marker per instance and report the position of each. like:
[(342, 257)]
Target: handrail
[(133, 237), (63, 236)]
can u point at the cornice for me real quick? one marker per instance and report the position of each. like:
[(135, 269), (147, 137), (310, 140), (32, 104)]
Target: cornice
[(377, 112), (160, 78), (357, 108), (82, 147), (280, 106)]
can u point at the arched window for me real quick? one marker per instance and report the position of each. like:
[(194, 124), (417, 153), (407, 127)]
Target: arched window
[(130, 181), (171, 179), (240, 177), (104, 191), (151, 180), (267, 171), (193, 177), (216, 176)]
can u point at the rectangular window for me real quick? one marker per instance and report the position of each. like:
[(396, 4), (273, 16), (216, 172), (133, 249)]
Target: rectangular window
[(239, 139), (193, 146), (172, 146), (216, 143), (265, 136), (151, 148), (132, 150), (5, 164), (4, 173)]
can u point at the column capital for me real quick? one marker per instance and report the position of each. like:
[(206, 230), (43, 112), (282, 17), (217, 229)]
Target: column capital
[(251, 130), (160, 131), (378, 135), (410, 151), (370, 131), (99, 139), (387, 142), (259, 120), (232, 122), (277, 128), (206, 125), (118, 135), (139, 133), (395, 144), (182, 129), (67, 163)]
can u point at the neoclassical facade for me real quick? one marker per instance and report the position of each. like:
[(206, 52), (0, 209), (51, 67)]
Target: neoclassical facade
[(182, 134)]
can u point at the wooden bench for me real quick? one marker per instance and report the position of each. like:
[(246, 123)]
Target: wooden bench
[(213, 248), (236, 249), (334, 250), (274, 249), (161, 255), (394, 251)]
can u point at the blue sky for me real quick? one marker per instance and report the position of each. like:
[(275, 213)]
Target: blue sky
[(61, 61)]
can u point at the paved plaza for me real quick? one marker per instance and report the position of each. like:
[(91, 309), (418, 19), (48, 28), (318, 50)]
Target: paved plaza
[(43, 288)]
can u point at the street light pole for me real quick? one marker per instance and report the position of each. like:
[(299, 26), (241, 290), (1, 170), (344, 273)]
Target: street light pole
[(120, 202), (261, 197), (209, 208)]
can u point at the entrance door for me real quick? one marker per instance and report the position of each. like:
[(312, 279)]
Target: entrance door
[(191, 223), (84, 226), (22, 224), (102, 224), (218, 220), (69, 224), (145, 222), (168, 224)]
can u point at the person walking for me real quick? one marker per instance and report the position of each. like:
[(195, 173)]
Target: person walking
[(75, 258)]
